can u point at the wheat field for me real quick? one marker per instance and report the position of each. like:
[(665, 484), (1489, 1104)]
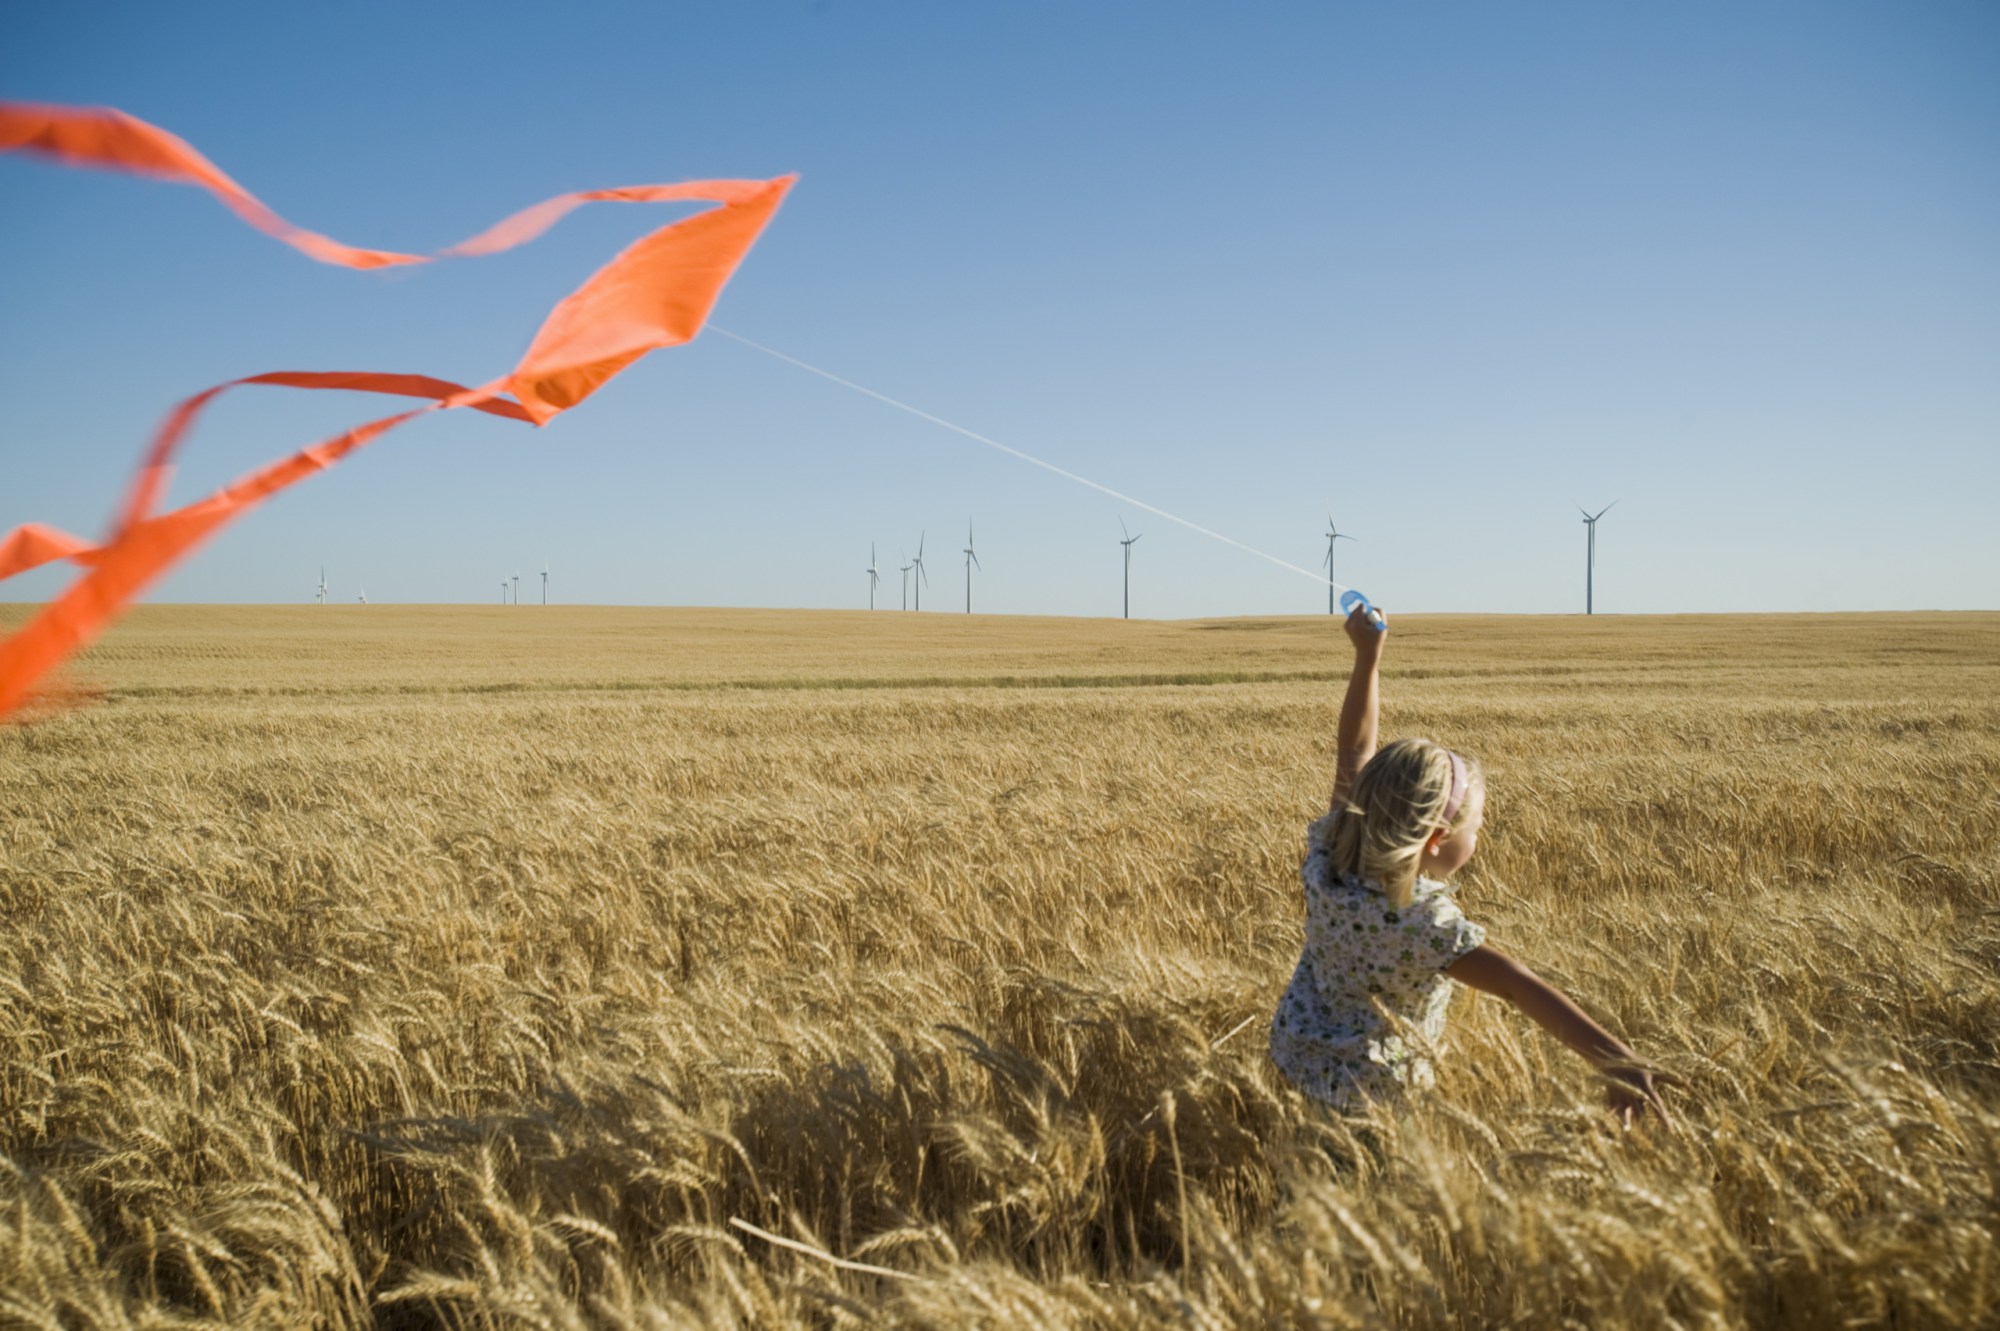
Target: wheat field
[(525, 967)]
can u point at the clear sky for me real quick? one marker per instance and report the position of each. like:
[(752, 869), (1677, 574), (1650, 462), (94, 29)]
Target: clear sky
[(1449, 270)]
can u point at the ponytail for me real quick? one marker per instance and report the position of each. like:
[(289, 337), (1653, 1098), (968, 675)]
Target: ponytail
[(1378, 834)]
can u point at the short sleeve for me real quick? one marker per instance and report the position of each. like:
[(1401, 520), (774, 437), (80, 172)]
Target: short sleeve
[(1451, 934)]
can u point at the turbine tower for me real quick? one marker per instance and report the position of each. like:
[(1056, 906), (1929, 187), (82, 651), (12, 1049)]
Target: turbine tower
[(503, 591), (1590, 552), (873, 578), (517, 589), (1129, 541), (545, 582), (923, 578), (322, 585), (363, 598), (906, 567), (971, 562), (1332, 535)]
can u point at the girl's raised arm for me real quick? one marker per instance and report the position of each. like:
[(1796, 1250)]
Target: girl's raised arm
[(1359, 710)]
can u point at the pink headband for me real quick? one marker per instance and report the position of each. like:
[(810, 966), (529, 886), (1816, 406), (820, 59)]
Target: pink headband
[(1452, 805)]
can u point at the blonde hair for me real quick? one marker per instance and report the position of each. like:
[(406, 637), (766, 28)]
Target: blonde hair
[(1397, 801)]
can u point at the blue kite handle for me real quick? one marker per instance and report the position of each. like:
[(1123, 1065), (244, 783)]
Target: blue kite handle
[(1351, 600)]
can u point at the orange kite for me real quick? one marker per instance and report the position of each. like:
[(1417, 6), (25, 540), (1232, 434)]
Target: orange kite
[(657, 293)]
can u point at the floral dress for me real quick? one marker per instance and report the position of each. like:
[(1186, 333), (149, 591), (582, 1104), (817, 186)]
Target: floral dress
[(1365, 1010)]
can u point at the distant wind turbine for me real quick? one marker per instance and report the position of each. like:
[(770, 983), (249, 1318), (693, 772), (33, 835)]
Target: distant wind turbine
[(873, 577), (545, 582), (322, 585), (1590, 552), (923, 578), (1129, 541), (517, 589), (906, 567), (363, 598), (1332, 535), (971, 562), (503, 591)]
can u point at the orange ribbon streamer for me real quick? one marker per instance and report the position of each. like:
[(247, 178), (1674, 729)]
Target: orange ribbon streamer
[(33, 545), (106, 138), (656, 293)]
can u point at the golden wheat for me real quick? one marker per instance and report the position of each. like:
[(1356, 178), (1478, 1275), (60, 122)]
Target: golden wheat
[(524, 968)]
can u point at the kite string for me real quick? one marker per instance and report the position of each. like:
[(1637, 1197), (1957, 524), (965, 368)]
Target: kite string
[(975, 436)]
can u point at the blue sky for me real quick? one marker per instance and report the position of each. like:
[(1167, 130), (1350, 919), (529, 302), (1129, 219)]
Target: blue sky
[(1450, 270)]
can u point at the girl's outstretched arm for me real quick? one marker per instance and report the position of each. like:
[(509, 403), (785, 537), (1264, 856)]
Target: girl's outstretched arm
[(1492, 971), (1358, 711)]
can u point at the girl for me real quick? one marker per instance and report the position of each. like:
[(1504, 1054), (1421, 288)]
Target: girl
[(1385, 939)]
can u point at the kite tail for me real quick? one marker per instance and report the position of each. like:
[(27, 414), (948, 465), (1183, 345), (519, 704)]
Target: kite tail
[(657, 293)]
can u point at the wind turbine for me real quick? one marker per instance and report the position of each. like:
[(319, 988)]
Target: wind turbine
[(1590, 551), (545, 582), (363, 598), (322, 585), (517, 589), (503, 591), (923, 578), (1129, 541), (873, 578), (971, 562), (1332, 535), (906, 583)]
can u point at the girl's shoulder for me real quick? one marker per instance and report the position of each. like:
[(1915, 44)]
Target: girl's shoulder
[(1343, 894), (1428, 887), (1436, 898)]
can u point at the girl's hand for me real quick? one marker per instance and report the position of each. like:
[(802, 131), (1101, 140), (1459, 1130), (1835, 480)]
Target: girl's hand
[(1635, 1092), (1366, 636)]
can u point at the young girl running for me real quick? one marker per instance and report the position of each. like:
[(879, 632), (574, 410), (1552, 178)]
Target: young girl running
[(1384, 938)]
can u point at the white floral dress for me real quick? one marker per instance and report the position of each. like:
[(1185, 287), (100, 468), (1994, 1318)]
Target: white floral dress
[(1365, 1010)]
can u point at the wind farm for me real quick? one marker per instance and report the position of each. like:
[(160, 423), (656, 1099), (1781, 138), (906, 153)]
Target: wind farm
[(915, 579)]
